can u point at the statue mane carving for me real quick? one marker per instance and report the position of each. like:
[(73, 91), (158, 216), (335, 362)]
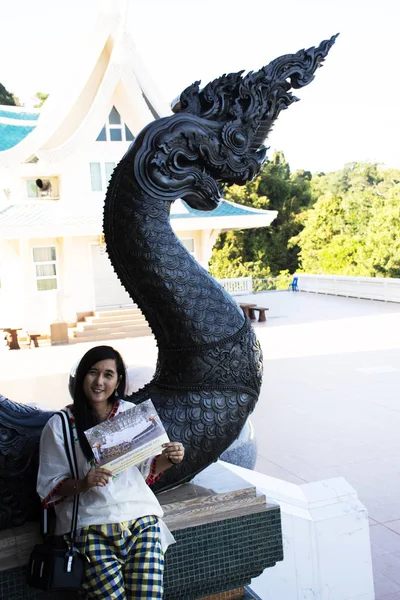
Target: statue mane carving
[(209, 367)]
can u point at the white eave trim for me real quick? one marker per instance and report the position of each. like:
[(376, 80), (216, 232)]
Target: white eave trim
[(195, 224), (225, 222)]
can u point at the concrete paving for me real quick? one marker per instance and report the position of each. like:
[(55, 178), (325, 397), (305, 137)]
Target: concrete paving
[(329, 403)]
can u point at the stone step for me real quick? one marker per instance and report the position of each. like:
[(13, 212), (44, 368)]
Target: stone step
[(114, 335), (111, 324), (111, 328), (104, 318), (117, 312)]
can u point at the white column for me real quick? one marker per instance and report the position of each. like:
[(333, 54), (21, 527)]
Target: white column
[(66, 280), (208, 239)]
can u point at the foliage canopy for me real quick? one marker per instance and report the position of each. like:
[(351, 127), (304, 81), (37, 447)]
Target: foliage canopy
[(265, 252), (6, 98), (346, 222), (41, 98), (354, 226)]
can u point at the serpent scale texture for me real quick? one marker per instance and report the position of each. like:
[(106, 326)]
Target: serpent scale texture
[(209, 366)]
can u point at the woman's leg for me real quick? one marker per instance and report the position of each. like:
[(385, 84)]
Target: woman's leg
[(103, 578), (143, 571)]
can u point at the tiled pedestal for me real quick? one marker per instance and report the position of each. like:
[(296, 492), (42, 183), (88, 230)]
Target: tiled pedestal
[(225, 531)]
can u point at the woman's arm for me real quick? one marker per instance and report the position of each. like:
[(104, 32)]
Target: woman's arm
[(172, 454), (96, 477), (54, 477)]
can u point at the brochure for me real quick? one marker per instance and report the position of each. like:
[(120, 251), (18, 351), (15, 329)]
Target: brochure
[(128, 438)]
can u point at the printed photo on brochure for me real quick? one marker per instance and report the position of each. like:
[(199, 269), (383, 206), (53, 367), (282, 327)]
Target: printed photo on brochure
[(127, 439)]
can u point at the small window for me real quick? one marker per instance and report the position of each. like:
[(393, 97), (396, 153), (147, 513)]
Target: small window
[(115, 135), (102, 137), (95, 177), (100, 175), (45, 268), (44, 189), (188, 243), (109, 168), (32, 188), (128, 134), (114, 117)]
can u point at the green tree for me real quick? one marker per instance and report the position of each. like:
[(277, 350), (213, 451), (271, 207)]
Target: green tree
[(6, 98), (41, 99), (353, 228), (264, 252)]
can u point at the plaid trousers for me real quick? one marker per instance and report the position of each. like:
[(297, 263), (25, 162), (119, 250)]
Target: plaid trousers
[(125, 560)]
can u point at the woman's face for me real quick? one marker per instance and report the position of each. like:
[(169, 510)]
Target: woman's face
[(101, 382)]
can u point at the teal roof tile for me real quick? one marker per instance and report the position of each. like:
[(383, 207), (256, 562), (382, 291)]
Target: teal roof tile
[(19, 116), (11, 135), (46, 213), (225, 209)]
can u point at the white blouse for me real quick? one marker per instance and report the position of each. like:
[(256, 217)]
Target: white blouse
[(126, 497)]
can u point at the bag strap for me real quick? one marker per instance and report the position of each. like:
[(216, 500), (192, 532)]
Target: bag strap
[(73, 465), (69, 443)]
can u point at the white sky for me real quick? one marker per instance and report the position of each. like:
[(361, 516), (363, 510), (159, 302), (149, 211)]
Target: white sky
[(349, 113)]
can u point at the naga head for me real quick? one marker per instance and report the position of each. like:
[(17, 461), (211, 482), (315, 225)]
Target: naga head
[(217, 134)]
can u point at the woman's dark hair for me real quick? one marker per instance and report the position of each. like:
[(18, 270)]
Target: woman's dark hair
[(85, 416)]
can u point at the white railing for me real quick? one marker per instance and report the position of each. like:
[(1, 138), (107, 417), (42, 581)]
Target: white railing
[(372, 288), (238, 285)]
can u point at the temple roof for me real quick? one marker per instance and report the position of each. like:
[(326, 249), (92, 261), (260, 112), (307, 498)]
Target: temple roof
[(110, 72)]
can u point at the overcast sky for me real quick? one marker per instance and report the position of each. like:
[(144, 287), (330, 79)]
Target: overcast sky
[(349, 113)]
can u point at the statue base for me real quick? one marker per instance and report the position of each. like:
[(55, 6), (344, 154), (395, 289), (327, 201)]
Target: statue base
[(225, 530)]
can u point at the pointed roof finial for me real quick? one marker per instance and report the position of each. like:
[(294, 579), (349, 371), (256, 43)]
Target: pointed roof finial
[(115, 8)]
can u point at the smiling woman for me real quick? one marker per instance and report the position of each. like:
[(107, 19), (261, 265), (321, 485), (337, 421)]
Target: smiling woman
[(108, 505), (101, 381)]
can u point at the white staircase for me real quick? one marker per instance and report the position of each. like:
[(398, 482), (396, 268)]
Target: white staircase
[(112, 325)]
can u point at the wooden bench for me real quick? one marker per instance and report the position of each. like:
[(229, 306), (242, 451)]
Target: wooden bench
[(246, 308), (262, 317), (12, 338), (34, 338)]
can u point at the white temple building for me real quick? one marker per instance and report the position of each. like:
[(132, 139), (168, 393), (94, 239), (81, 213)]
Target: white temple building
[(55, 164)]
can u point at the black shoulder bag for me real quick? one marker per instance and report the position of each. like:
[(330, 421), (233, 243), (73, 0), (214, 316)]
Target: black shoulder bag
[(55, 564)]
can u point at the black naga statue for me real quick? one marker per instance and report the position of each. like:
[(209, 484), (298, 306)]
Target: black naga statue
[(209, 367)]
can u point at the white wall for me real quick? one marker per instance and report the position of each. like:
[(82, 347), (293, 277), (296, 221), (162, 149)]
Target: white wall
[(325, 528), (22, 305), (12, 283)]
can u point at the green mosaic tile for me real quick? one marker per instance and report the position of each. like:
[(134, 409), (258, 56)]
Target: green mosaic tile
[(223, 555), (13, 587)]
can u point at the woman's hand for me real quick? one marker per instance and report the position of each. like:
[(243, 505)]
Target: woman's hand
[(96, 477), (174, 452)]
